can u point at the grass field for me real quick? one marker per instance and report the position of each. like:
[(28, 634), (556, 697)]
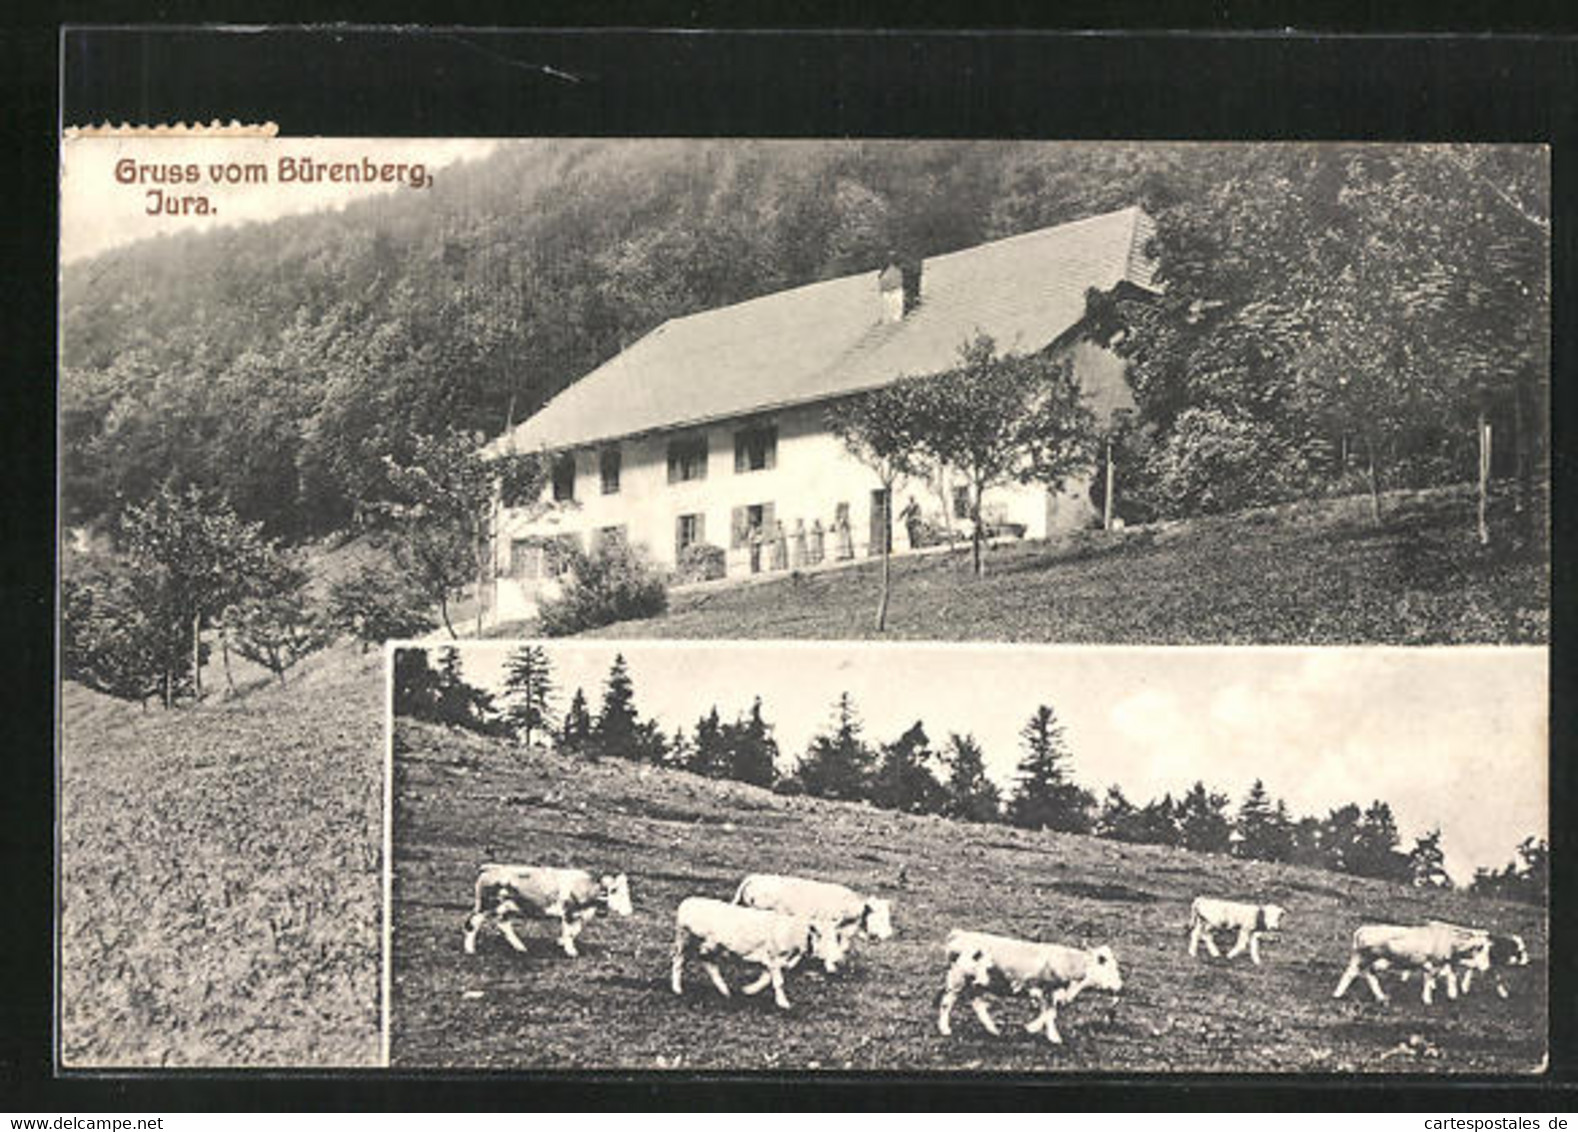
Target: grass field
[(1311, 573), (221, 873), (462, 800)]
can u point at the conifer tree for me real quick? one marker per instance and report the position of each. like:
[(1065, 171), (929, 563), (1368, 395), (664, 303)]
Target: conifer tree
[(838, 762), (752, 750), (575, 736), (614, 732), (1202, 820), (904, 779), (1118, 820), (710, 752), (1427, 862), (971, 795), (528, 686), (1261, 826), (1044, 796)]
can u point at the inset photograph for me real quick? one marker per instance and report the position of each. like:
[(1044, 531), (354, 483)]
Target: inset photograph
[(783, 856)]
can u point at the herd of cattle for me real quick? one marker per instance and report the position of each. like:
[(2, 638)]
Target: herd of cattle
[(774, 922)]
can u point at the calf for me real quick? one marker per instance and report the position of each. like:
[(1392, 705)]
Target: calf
[(1505, 951), (711, 928), (1049, 973), (572, 896), (1434, 950), (821, 901), (1208, 916)]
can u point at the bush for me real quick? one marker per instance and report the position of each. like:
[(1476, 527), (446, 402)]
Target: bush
[(376, 605), (700, 562), (616, 583), (1216, 462)]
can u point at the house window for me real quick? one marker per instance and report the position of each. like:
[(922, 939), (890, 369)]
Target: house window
[(564, 478), (608, 462), (753, 518), (689, 530), (961, 502), (756, 449), (534, 557), (606, 536), (687, 459)]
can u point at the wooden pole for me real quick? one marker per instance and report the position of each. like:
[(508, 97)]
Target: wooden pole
[(1106, 502), (1484, 475)]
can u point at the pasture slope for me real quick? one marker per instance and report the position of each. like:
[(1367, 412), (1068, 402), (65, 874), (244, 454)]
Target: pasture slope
[(220, 873), (461, 800), (1314, 572)]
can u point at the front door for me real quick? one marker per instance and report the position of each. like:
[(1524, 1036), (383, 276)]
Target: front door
[(881, 523)]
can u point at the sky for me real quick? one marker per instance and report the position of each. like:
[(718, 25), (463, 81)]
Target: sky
[(1454, 738), (99, 212)]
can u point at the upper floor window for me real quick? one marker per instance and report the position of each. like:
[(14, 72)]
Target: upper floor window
[(687, 459), (756, 449), (564, 478), (608, 463)]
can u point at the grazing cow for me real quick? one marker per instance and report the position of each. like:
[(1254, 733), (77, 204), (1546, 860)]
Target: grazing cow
[(848, 911), (1505, 951), (1434, 950), (1049, 973), (572, 896), (1208, 916), (711, 928)]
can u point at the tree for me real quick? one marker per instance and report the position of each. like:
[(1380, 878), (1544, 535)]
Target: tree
[(1261, 827), (1044, 796), (1157, 823), (971, 795), (377, 605), (277, 631), (838, 763), (1202, 821), (116, 637), (416, 684), (1339, 839), (1375, 845), (575, 734), (196, 557), (1526, 878), (1002, 419), (459, 703), (752, 751), (614, 732), (528, 690), (442, 504), (1427, 863), (879, 429), (904, 779), (710, 751), (1118, 819)]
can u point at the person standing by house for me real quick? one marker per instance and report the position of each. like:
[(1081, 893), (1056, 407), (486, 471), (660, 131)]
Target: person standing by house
[(755, 540), (845, 543), (817, 542), (797, 548), (911, 518), (780, 553)]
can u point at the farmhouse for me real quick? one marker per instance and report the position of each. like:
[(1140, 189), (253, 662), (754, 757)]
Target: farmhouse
[(713, 428)]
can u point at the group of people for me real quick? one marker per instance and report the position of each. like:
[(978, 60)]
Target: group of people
[(780, 549)]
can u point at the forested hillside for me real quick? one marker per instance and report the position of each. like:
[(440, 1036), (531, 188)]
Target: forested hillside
[(1332, 314)]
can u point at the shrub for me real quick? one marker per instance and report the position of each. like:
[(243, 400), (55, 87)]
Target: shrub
[(376, 605), (1216, 462), (616, 583), (700, 562)]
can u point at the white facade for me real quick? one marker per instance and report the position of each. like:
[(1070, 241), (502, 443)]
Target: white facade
[(807, 477)]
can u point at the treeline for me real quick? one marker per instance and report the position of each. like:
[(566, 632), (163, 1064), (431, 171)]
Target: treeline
[(910, 775), (1334, 317)]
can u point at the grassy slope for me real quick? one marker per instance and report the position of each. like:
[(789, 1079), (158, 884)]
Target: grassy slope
[(462, 800), (220, 873), (1306, 573)]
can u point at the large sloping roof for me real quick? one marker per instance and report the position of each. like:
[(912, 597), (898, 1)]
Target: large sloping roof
[(827, 339)]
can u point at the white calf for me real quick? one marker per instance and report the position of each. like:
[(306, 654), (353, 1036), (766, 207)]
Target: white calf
[(821, 901), (710, 928), (1434, 950), (1049, 973), (1207, 916), (571, 896)]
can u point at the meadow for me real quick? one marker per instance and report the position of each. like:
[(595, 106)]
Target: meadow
[(461, 800)]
